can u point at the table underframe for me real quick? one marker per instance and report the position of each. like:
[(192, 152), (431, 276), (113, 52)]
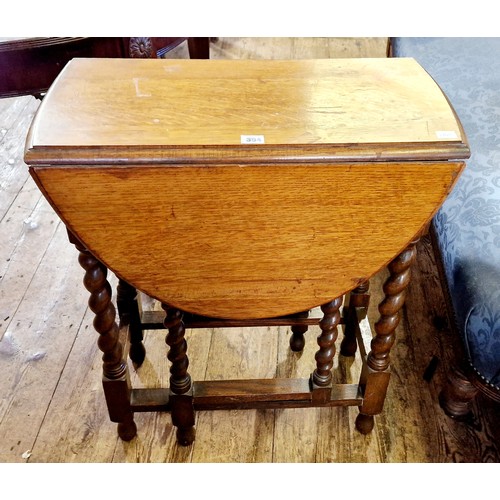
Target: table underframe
[(183, 397)]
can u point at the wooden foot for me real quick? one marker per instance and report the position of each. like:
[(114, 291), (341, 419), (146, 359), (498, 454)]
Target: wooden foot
[(185, 437), (456, 397), (183, 417), (297, 340), (364, 423), (137, 353), (348, 346), (181, 392), (127, 429), (128, 310), (359, 297)]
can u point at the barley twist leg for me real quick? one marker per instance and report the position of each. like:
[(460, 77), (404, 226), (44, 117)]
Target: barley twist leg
[(322, 376), (376, 372), (116, 382), (181, 392)]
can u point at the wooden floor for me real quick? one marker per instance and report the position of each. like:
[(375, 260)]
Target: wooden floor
[(52, 407)]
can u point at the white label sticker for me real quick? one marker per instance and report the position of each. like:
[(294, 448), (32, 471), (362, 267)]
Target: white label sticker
[(252, 139), (446, 134)]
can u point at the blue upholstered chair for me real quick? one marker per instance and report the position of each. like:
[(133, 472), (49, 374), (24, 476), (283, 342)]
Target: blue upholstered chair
[(467, 228)]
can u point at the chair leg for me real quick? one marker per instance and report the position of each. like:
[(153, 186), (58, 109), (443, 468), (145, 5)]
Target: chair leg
[(457, 395), (199, 48)]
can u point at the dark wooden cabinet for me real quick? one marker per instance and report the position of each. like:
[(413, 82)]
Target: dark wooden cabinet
[(28, 66)]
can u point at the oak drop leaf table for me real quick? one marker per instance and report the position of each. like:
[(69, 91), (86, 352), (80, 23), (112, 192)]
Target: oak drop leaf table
[(241, 192)]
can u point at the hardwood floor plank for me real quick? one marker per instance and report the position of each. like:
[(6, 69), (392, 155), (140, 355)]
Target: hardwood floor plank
[(237, 353), (295, 429), (29, 227), (298, 48), (13, 130), (36, 344), (11, 109), (76, 427)]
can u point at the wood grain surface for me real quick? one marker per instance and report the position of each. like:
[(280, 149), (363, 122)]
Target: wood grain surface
[(205, 108), (253, 241)]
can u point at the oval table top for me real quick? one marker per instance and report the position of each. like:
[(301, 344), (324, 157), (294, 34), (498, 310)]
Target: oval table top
[(148, 163)]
